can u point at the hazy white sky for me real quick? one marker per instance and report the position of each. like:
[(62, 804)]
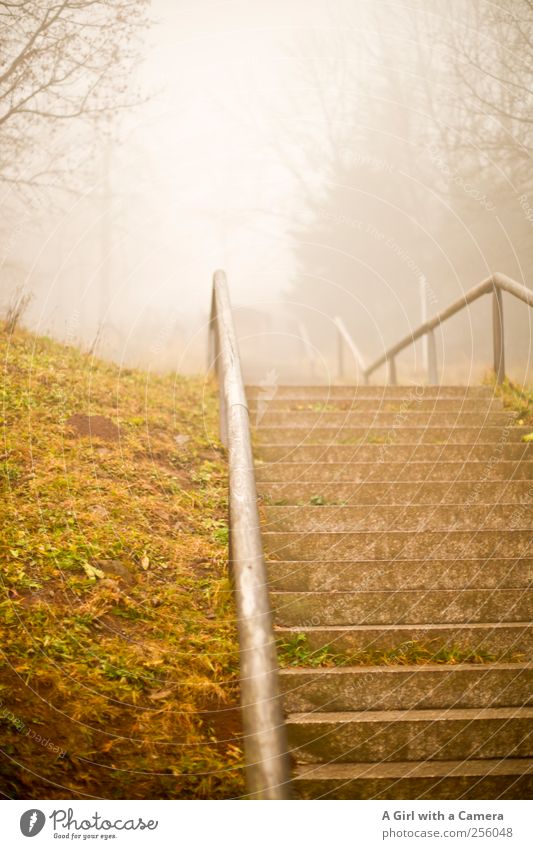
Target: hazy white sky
[(206, 174), (213, 172), (254, 104)]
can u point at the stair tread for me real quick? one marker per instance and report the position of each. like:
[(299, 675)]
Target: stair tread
[(319, 466), (401, 428), (301, 629), (375, 419), (494, 492), (298, 464), (434, 491), (440, 532), (388, 471), (408, 517), (358, 404), (346, 575), (395, 493), (426, 434), (398, 769), (265, 446), (451, 591), (407, 669), (411, 715), (297, 390), (445, 561)]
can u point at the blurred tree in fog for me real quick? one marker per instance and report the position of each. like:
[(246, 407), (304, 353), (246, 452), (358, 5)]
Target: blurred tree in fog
[(428, 126), (491, 52), (61, 61)]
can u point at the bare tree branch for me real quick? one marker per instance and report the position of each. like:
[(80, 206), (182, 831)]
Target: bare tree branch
[(62, 61)]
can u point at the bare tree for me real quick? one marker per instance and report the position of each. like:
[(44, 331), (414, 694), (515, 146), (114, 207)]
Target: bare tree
[(490, 50), (62, 62)]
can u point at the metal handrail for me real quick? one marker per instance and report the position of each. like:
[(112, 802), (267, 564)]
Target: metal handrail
[(344, 338), (495, 285), (265, 746)]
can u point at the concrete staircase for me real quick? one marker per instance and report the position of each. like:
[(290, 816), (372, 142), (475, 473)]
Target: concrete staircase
[(394, 516)]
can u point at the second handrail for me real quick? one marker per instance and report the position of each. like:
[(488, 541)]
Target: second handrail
[(495, 285)]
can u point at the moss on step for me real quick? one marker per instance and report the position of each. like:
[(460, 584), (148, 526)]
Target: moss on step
[(516, 398), (297, 652), (368, 439)]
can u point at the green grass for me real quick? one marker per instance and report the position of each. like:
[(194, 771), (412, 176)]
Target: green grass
[(516, 398), (297, 652), (117, 623), (368, 439)]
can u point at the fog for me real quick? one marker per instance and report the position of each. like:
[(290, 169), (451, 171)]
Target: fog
[(328, 156)]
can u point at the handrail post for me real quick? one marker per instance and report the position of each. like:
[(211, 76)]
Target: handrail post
[(431, 350), (309, 350), (344, 338), (497, 334), (391, 363), (340, 355)]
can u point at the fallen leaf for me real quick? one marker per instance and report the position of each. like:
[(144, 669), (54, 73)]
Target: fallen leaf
[(92, 572), (161, 694)]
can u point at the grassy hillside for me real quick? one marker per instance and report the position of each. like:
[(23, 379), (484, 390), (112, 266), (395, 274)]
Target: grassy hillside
[(118, 644)]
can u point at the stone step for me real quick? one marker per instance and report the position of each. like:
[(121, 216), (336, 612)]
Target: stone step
[(457, 517), (421, 687), (260, 406), (510, 778), (371, 453), (343, 435), (326, 391), (501, 639), (516, 492), (401, 607), (413, 735), (475, 470), (377, 419), (383, 575), (402, 545)]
